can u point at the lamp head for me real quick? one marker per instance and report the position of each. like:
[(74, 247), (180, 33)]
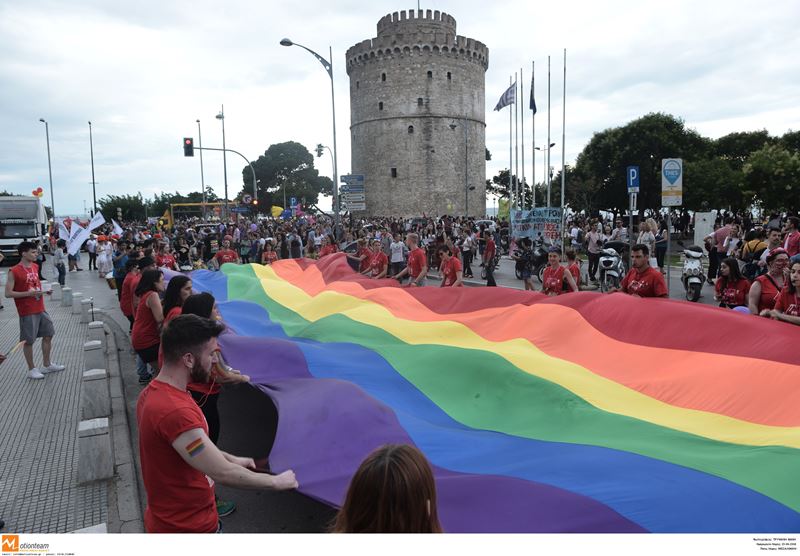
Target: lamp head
[(286, 42), (552, 144), (42, 120), (220, 116), (198, 121)]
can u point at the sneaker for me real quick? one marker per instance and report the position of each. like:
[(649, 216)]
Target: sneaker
[(53, 368), (35, 374), (225, 508)]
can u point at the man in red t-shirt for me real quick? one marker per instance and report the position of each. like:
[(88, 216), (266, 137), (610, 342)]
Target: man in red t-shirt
[(643, 280), (452, 275), (417, 266), (179, 462), (24, 287), (226, 254), (488, 258), (792, 241), (379, 262)]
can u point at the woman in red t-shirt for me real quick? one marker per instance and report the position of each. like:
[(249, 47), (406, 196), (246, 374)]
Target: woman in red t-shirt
[(146, 333), (732, 288), (328, 247), (268, 256), (766, 287), (178, 289), (555, 274), (787, 303)]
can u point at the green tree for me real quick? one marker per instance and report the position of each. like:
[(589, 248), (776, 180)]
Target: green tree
[(285, 169), (714, 183), (133, 206), (736, 147), (790, 141), (772, 177)]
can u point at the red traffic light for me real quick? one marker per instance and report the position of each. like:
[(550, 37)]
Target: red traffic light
[(188, 146)]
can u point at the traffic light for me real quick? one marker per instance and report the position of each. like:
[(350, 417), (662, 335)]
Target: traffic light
[(255, 202), (319, 150), (188, 146)]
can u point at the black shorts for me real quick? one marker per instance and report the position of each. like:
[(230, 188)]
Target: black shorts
[(149, 354)]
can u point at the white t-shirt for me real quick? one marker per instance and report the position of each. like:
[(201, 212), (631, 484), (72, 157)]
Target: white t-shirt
[(396, 249)]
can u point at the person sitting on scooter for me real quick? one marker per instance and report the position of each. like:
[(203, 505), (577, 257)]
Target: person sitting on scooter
[(731, 288), (643, 280)]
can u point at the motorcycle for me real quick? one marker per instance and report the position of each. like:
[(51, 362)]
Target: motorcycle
[(611, 265), (538, 262), (495, 264), (693, 274)]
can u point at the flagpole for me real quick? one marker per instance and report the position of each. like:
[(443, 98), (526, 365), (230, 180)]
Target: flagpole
[(522, 134), (516, 141), (547, 167), (533, 139), (564, 142), (510, 147)]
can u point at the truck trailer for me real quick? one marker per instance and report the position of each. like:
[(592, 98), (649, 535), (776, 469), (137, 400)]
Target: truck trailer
[(21, 219)]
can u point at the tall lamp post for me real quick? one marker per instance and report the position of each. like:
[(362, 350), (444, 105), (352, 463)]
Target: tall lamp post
[(202, 177), (466, 175), (221, 116), (547, 172), (49, 168), (329, 68), (91, 151)]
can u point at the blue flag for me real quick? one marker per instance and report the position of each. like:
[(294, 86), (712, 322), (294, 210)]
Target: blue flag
[(509, 97), (533, 102)]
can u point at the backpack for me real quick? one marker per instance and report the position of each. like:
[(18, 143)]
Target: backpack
[(580, 236)]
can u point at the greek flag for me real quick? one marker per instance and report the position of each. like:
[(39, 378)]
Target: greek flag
[(509, 97)]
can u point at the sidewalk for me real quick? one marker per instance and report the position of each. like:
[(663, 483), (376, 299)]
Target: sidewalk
[(39, 491)]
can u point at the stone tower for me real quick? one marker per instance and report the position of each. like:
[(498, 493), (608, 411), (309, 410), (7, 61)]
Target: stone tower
[(414, 89)]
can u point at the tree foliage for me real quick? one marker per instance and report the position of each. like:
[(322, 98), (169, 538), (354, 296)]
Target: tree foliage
[(772, 177), (136, 207), (285, 168)]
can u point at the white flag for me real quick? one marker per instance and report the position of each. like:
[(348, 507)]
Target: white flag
[(63, 233), (75, 242), (97, 221), (117, 228), (74, 229)]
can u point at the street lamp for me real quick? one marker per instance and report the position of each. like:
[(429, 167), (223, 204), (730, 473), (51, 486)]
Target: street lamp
[(202, 177), (329, 68), (91, 151), (49, 168), (466, 176), (548, 172), (221, 117)]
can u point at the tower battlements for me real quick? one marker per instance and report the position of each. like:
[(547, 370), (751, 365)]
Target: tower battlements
[(426, 20), (418, 43)]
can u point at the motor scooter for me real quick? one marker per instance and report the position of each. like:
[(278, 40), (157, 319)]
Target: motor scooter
[(693, 273), (537, 262), (611, 265)]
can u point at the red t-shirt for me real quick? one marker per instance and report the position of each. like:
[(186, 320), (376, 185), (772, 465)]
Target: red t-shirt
[(489, 250), (416, 260), (165, 260), (145, 331), (788, 303), (769, 292), (792, 244), (734, 293), (552, 280), (365, 262), (378, 262), (575, 270), (180, 499), (128, 287), (649, 283), (449, 270), (25, 280), (327, 250), (226, 256), (269, 257)]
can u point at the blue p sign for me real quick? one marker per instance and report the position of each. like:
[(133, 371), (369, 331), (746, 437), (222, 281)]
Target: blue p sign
[(633, 179), (293, 201)]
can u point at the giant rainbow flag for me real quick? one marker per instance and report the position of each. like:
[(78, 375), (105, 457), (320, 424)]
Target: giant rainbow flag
[(582, 413)]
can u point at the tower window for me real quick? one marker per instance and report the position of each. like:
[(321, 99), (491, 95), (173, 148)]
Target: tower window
[(411, 129), (357, 83), (430, 75), (383, 77), (380, 106), (394, 172), (449, 76), (419, 101)]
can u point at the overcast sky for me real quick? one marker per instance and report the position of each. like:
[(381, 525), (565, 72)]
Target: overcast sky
[(144, 71)]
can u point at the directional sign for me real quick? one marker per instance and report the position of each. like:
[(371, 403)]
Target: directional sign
[(352, 179), (633, 179), (671, 182), (356, 206), (240, 209), (354, 197)]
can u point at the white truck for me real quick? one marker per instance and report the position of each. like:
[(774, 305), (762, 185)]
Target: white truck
[(21, 219)]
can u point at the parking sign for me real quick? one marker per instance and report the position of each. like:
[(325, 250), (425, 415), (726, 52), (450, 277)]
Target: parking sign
[(633, 179)]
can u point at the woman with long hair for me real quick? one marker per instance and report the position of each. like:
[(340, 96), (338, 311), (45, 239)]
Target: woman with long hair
[(146, 333), (178, 289), (787, 304), (766, 287), (392, 491), (731, 288)]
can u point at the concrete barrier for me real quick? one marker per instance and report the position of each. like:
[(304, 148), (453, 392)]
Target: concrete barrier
[(56, 295), (97, 332), (95, 457), (94, 357), (66, 296), (95, 395), (77, 297), (86, 310)]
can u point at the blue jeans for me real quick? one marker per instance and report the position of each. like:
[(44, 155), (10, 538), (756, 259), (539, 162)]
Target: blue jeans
[(142, 369), (62, 273)]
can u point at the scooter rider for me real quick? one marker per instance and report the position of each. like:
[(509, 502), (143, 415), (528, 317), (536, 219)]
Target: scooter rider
[(643, 280)]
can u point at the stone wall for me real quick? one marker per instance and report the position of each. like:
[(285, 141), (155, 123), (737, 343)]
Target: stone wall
[(412, 90)]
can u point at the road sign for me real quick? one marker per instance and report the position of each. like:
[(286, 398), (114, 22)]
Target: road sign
[(293, 202), (240, 209), (671, 182), (350, 197), (355, 206), (247, 199), (352, 179), (633, 179), (352, 187)]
